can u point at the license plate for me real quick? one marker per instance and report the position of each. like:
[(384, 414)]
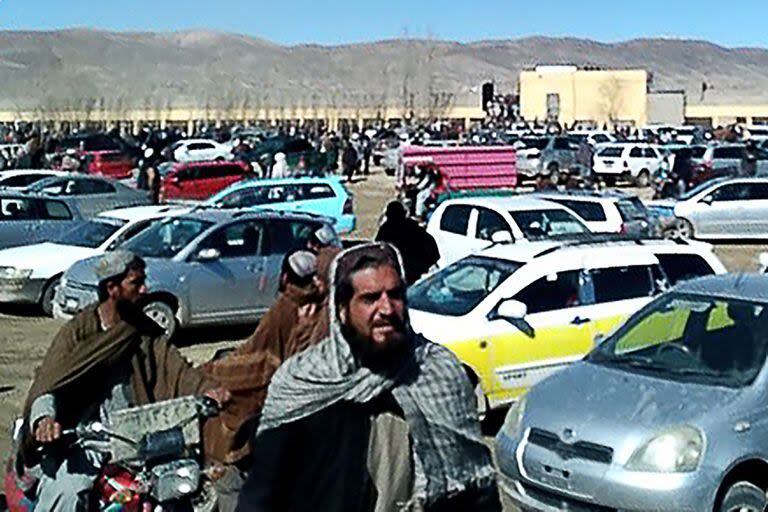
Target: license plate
[(71, 304)]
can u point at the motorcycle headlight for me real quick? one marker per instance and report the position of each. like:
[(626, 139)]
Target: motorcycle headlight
[(14, 273), (678, 450), (514, 418)]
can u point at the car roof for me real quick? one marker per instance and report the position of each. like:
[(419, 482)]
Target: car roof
[(20, 172), (257, 182), (508, 203), (752, 287), (588, 194), (188, 141), (526, 252), (134, 213), (218, 216)]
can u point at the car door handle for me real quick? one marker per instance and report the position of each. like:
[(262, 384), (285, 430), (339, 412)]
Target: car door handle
[(579, 321)]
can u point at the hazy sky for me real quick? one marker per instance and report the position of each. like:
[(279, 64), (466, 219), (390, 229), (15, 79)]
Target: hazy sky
[(733, 23)]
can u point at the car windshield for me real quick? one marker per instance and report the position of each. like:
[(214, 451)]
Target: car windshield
[(53, 184), (90, 234), (458, 288), (534, 143), (695, 338), (631, 209), (698, 151), (166, 238), (611, 151), (546, 223), (699, 188)]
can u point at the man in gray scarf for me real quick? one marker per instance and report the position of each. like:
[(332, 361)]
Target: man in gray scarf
[(374, 417)]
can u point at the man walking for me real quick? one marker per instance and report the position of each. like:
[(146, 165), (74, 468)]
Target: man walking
[(374, 417)]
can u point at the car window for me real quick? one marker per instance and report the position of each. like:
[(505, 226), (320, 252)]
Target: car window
[(455, 219), (707, 340), (90, 234), (622, 283), (650, 153), (587, 210), (13, 209), (731, 192), (698, 151), (680, 267), (729, 153), (129, 233), (317, 191), (562, 143), (223, 171), (21, 180), (238, 240), (288, 235), (92, 187), (636, 152), (56, 210), (600, 138), (758, 191), (199, 145), (166, 238), (543, 223), (611, 152), (631, 209), (458, 289), (488, 223), (553, 292)]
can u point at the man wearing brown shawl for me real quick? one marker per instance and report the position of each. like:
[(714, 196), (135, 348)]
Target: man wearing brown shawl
[(108, 357)]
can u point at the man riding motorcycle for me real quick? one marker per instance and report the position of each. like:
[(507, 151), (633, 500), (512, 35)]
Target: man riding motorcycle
[(108, 357)]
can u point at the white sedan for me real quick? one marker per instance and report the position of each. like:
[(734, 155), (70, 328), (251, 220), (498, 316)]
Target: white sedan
[(29, 274), (195, 150)]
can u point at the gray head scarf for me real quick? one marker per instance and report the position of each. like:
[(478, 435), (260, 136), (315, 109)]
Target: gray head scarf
[(429, 385)]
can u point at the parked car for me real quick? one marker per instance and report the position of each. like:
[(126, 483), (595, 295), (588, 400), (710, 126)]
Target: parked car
[(29, 218), (667, 414), (111, 164), (558, 157), (634, 161), (529, 155), (609, 211), (92, 194), (726, 160), (515, 313), (199, 180), (320, 196), (196, 150), (89, 142), (32, 272), (463, 226), (19, 179), (205, 267), (723, 208), (296, 151)]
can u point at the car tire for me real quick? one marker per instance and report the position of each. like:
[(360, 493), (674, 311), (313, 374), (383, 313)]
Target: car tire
[(680, 230), (46, 299), (162, 314), (643, 179), (219, 159), (744, 497)]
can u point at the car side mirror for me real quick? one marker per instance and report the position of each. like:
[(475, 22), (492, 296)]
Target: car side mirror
[(708, 199), (209, 254), (501, 237), (511, 309), (598, 339)]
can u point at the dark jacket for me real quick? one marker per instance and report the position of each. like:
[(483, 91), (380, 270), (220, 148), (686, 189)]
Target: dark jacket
[(417, 247)]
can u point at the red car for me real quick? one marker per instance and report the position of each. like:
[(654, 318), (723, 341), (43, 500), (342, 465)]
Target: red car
[(112, 164), (200, 180)]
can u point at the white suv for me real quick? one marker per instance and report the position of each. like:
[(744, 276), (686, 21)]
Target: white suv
[(636, 161), (463, 226), (194, 150)]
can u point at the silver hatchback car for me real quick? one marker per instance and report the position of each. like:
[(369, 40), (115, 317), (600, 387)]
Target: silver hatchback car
[(667, 414), (204, 267)]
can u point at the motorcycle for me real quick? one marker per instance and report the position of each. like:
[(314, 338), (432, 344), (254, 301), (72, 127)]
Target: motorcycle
[(154, 460)]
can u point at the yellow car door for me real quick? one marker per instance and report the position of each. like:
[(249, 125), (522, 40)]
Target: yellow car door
[(555, 332)]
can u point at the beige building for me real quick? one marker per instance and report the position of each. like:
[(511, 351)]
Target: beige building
[(723, 115), (570, 94)]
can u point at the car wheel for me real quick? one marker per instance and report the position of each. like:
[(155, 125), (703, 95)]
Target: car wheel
[(643, 179), (679, 230), (219, 159), (163, 315), (744, 497), (554, 173), (46, 299)]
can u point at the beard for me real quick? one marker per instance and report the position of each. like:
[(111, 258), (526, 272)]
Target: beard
[(377, 358)]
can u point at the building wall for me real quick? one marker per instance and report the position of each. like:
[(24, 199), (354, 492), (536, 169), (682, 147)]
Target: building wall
[(603, 96), (722, 115), (666, 107)]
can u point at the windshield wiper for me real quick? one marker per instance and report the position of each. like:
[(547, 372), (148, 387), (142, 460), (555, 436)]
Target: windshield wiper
[(634, 361)]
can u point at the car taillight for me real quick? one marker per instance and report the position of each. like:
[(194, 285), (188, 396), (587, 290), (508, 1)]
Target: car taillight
[(349, 207)]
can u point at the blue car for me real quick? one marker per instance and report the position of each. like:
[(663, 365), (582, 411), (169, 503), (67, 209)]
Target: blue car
[(319, 196)]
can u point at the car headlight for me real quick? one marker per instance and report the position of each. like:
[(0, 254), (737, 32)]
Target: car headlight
[(14, 273), (514, 418), (677, 450)]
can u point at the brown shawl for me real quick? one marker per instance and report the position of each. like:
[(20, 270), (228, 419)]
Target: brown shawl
[(82, 355), (246, 374)]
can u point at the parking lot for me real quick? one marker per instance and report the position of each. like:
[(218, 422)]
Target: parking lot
[(25, 335)]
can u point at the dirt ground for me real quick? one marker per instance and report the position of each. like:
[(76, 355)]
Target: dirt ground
[(24, 336)]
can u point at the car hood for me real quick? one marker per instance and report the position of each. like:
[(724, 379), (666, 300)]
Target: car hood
[(623, 410), (440, 329), (83, 271), (38, 257)]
